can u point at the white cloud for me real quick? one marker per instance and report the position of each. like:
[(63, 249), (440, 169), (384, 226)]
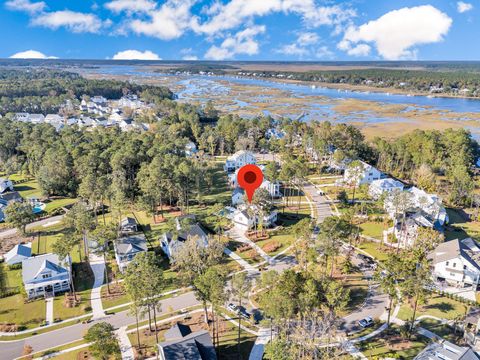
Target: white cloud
[(31, 54), (305, 46), (396, 33), (74, 21), (169, 22), (242, 42), (131, 6), (190, 58), (359, 50), (26, 5), (136, 55), (237, 12), (463, 7)]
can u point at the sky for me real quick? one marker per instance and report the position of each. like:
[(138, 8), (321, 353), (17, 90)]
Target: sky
[(262, 30)]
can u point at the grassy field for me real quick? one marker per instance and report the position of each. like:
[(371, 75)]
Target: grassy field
[(13, 310), (372, 229), (445, 331), (376, 250), (390, 344), (439, 306)]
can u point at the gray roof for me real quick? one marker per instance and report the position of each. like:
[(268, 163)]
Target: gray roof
[(194, 230), (128, 221), (131, 244), (446, 351), (11, 196), (32, 266), (455, 248), (177, 331), (194, 346)]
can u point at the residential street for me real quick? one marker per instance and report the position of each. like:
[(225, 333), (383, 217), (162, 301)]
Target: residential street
[(44, 222), (13, 349)]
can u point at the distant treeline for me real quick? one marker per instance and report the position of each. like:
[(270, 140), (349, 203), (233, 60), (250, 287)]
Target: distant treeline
[(448, 82), (44, 91)]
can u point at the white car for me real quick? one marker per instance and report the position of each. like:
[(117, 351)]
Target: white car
[(366, 322)]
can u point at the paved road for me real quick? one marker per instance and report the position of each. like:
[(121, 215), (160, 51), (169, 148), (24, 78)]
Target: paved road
[(13, 349), (44, 222), (320, 203)]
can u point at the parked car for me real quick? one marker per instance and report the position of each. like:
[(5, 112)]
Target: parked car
[(243, 313), (366, 322), (232, 307)]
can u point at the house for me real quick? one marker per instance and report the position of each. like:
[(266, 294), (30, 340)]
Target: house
[(273, 188), (419, 200), (239, 159), (406, 231), (116, 118), (457, 262), (367, 174), (5, 185), (24, 117), (36, 118), (241, 217), (9, 197), (170, 243), (19, 253), (53, 119), (378, 187), (127, 247), (128, 225), (181, 343), (190, 149), (445, 350), (237, 196), (46, 275), (471, 327), (274, 133)]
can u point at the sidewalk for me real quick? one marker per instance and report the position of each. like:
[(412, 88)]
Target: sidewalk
[(243, 263), (49, 311), (259, 347), (236, 233), (125, 345), (98, 267)]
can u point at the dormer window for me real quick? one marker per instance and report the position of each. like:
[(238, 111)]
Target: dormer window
[(46, 276), (448, 263), (454, 264)]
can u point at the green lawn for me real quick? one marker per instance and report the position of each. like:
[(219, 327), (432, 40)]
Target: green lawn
[(376, 250), (445, 331), (390, 345), (372, 229), (437, 305), (13, 310)]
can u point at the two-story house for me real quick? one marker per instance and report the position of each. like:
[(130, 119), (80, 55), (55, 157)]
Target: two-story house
[(378, 187), (127, 247), (366, 174), (171, 243), (46, 275), (239, 159), (457, 262)]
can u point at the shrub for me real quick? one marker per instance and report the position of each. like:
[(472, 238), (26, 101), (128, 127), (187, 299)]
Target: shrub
[(271, 246)]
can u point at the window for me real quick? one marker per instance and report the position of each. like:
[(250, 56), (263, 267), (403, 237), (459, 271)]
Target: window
[(46, 276), (464, 267), (448, 263), (454, 264)]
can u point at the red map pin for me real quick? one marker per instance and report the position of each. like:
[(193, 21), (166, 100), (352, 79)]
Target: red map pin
[(250, 177)]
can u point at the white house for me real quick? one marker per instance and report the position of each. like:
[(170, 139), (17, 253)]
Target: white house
[(45, 275), (237, 196), (407, 232), (243, 218), (24, 117), (190, 149), (126, 248), (457, 262), (5, 185), (36, 118), (239, 159), (53, 119), (445, 350), (170, 244), (116, 118), (381, 186), (367, 174), (19, 253), (273, 188)]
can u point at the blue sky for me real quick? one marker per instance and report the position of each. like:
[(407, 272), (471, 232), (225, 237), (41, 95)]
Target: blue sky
[(241, 29)]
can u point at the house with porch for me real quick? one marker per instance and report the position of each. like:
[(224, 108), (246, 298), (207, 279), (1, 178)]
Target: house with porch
[(239, 159), (381, 186), (127, 247), (46, 275), (366, 175), (457, 263)]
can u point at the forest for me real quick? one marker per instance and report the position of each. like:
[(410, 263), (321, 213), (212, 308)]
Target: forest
[(44, 91)]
